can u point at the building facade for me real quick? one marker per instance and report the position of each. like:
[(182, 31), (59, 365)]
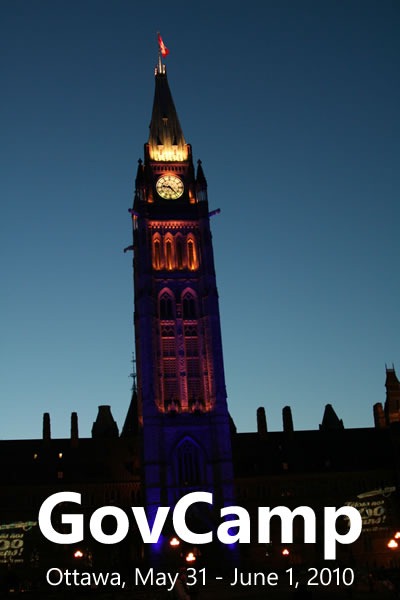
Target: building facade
[(178, 436)]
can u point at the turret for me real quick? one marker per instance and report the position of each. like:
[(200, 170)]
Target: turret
[(379, 416), (392, 404), (104, 425), (201, 184)]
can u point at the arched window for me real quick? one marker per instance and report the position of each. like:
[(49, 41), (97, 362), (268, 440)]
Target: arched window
[(179, 253), (189, 307), (188, 463), (192, 254), (157, 252), (169, 253), (166, 309)]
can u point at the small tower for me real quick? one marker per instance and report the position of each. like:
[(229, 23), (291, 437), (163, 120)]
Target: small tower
[(392, 404), (104, 426)]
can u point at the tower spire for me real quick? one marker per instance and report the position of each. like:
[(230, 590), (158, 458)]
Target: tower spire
[(166, 141)]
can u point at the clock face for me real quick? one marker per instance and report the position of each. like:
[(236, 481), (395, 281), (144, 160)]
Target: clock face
[(169, 187)]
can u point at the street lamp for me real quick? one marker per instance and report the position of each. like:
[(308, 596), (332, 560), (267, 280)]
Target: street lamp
[(190, 557)]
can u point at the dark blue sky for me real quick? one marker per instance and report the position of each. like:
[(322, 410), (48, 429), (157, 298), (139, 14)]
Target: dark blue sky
[(293, 108)]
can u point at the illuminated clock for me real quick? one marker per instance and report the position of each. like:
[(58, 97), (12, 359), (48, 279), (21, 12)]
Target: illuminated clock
[(169, 187)]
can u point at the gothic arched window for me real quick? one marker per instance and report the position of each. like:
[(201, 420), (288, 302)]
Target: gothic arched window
[(169, 253), (189, 463), (166, 308), (157, 252), (179, 253), (192, 259), (189, 307)]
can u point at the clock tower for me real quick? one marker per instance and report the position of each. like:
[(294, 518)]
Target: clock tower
[(181, 395)]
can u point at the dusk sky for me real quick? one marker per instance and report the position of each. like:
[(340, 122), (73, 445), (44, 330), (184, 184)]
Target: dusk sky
[(293, 108)]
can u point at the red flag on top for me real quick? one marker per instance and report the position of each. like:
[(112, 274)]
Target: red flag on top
[(163, 48)]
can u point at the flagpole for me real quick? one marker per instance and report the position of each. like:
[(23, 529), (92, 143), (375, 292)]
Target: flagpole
[(159, 68), (162, 52)]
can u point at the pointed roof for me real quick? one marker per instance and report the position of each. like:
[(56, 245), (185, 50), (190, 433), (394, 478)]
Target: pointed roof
[(166, 141), (330, 419), (140, 181), (391, 383), (201, 180), (131, 421)]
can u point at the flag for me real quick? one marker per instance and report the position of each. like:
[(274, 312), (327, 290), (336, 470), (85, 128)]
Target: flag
[(163, 48)]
